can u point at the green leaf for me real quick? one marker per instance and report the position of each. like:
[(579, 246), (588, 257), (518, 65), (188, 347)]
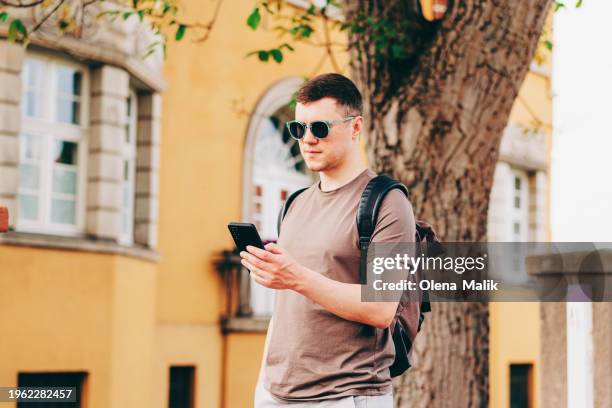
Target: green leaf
[(16, 27), (3, 16), (263, 55), (397, 50), (141, 15), (254, 19), (180, 32), (126, 15), (558, 5), (277, 55), (301, 31), (578, 3), (12, 34), (548, 44)]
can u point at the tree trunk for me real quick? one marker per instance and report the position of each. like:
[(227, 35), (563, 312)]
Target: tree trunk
[(434, 121)]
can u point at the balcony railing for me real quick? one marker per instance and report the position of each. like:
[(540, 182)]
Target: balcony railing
[(238, 313)]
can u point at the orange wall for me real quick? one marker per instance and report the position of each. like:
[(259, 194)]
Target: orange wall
[(78, 311), (514, 330), (243, 360)]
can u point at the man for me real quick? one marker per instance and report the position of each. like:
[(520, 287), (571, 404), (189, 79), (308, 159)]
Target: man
[(326, 348)]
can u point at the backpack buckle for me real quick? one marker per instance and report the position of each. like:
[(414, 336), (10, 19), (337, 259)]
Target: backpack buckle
[(364, 243)]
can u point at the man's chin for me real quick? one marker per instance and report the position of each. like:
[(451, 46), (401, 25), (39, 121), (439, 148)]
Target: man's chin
[(315, 166)]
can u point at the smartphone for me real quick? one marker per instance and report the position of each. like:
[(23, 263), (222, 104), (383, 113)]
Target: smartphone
[(244, 234)]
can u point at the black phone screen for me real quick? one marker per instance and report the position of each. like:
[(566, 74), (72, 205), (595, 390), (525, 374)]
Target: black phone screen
[(245, 234)]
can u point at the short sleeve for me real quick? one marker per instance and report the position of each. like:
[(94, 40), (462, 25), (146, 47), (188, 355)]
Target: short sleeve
[(395, 226), (395, 221)]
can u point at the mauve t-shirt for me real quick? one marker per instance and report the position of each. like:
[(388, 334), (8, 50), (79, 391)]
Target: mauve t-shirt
[(314, 354)]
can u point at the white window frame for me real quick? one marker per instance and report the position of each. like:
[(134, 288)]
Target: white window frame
[(49, 130), (271, 203), (128, 152), (262, 298), (519, 215)]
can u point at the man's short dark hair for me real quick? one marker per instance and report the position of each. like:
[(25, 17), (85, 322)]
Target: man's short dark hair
[(335, 86)]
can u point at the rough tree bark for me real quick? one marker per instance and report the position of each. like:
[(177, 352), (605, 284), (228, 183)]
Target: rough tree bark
[(435, 121)]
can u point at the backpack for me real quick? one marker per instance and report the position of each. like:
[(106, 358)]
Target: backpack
[(404, 325)]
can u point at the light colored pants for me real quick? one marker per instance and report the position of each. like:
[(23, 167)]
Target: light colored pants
[(263, 399)]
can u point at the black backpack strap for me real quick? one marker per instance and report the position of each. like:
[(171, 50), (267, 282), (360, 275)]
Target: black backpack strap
[(285, 208), (367, 213)]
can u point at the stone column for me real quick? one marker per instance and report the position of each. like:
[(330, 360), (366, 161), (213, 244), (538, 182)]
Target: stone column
[(552, 374), (109, 92), (602, 352), (592, 270), (11, 59), (147, 169)]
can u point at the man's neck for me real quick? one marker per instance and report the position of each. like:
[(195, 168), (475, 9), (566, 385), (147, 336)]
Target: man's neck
[(335, 178)]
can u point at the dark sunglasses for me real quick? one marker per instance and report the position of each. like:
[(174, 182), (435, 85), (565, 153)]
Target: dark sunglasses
[(319, 129)]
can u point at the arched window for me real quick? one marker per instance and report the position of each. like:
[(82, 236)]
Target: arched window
[(273, 169)]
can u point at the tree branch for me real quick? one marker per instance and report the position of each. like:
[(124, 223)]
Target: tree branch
[(531, 112), (19, 4), (209, 26), (46, 17), (328, 48)]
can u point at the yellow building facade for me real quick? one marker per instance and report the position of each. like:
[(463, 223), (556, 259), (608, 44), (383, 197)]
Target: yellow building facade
[(120, 313)]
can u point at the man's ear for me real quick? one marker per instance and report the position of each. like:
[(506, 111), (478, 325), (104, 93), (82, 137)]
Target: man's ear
[(358, 126)]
